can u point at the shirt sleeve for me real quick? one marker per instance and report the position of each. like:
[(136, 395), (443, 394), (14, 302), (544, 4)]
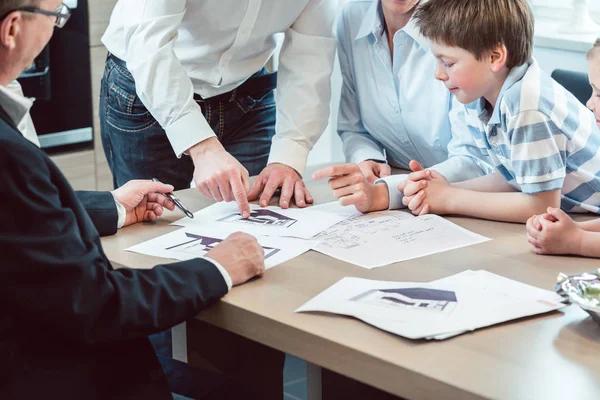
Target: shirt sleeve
[(223, 271), (537, 152), (358, 144), (304, 84), (161, 81), (465, 159), (395, 196), (121, 212)]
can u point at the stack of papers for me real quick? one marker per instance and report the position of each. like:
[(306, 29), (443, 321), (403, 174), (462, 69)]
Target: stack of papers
[(435, 310)]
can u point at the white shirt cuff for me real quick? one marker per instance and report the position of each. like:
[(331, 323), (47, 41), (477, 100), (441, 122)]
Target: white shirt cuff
[(288, 152), (120, 212), (188, 131), (223, 272), (395, 195)]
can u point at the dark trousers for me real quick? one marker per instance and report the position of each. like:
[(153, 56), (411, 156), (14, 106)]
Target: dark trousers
[(137, 147), (222, 366)]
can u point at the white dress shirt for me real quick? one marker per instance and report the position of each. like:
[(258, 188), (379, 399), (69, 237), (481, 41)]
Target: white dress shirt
[(395, 110), (17, 108), (175, 48)]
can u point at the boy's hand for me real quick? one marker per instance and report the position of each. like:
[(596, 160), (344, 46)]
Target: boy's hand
[(352, 188), (559, 236), (535, 220), (426, 192), (414, 166)]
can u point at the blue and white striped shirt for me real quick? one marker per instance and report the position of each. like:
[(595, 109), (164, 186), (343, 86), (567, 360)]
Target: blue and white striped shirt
[(541, 138)]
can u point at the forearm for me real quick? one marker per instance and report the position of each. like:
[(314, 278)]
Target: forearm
[(492, 183), (591, 225), (507, 207), (149, 38), (304, 86), (589, 245)]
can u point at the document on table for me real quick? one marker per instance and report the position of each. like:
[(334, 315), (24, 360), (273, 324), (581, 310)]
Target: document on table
[(188, 243), (386, 237), (435, 310), (301, 223)]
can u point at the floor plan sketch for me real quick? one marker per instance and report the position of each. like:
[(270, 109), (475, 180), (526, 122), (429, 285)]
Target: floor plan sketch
[(386, 237), (356, 230)]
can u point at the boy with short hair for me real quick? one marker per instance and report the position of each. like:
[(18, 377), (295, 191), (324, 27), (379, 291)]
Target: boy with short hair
[(542, 141), (555, 232)]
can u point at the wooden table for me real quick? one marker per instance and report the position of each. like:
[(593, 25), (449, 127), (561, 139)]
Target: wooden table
[(554, 356)]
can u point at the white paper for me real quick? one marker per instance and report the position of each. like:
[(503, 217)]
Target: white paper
[(386, 237), (187, 243), (301, 223), (482, 299)]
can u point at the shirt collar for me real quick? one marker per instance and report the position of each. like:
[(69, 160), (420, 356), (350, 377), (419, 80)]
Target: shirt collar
[(15, 105), (372, 23), (414, 32), (514, 76)]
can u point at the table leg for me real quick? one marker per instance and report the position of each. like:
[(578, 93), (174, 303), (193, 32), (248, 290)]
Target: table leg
[(313, 382), (179, 342)]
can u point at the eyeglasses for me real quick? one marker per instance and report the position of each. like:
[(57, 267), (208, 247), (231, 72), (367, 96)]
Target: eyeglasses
[(62, 13)]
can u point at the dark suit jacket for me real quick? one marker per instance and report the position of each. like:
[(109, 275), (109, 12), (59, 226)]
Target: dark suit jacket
[(72, 327)]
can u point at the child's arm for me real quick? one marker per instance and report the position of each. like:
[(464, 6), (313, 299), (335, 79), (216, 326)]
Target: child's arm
[(591, 225), (507, 207), (489, 183), (442, 198)]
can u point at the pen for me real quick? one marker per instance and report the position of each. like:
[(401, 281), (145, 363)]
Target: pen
[(177, 202)]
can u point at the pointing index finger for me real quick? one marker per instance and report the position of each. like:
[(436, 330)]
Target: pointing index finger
[(335, 170), (239, 193)]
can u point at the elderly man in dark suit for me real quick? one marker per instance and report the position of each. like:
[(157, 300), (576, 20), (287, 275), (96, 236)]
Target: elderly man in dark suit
[(71, 326)]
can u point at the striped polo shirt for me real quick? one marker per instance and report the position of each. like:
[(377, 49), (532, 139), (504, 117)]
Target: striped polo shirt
[(541, 138)]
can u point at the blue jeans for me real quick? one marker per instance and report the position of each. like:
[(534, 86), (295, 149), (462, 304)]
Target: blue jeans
[(137, 147)]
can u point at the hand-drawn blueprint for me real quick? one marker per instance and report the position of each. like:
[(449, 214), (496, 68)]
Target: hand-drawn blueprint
[(386, 237)]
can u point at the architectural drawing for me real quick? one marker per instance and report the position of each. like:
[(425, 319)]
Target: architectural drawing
[(198, 245), (262, 217), (414, 298)]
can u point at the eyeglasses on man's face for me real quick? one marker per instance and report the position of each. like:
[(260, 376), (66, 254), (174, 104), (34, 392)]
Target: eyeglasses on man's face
[(62, 13)]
